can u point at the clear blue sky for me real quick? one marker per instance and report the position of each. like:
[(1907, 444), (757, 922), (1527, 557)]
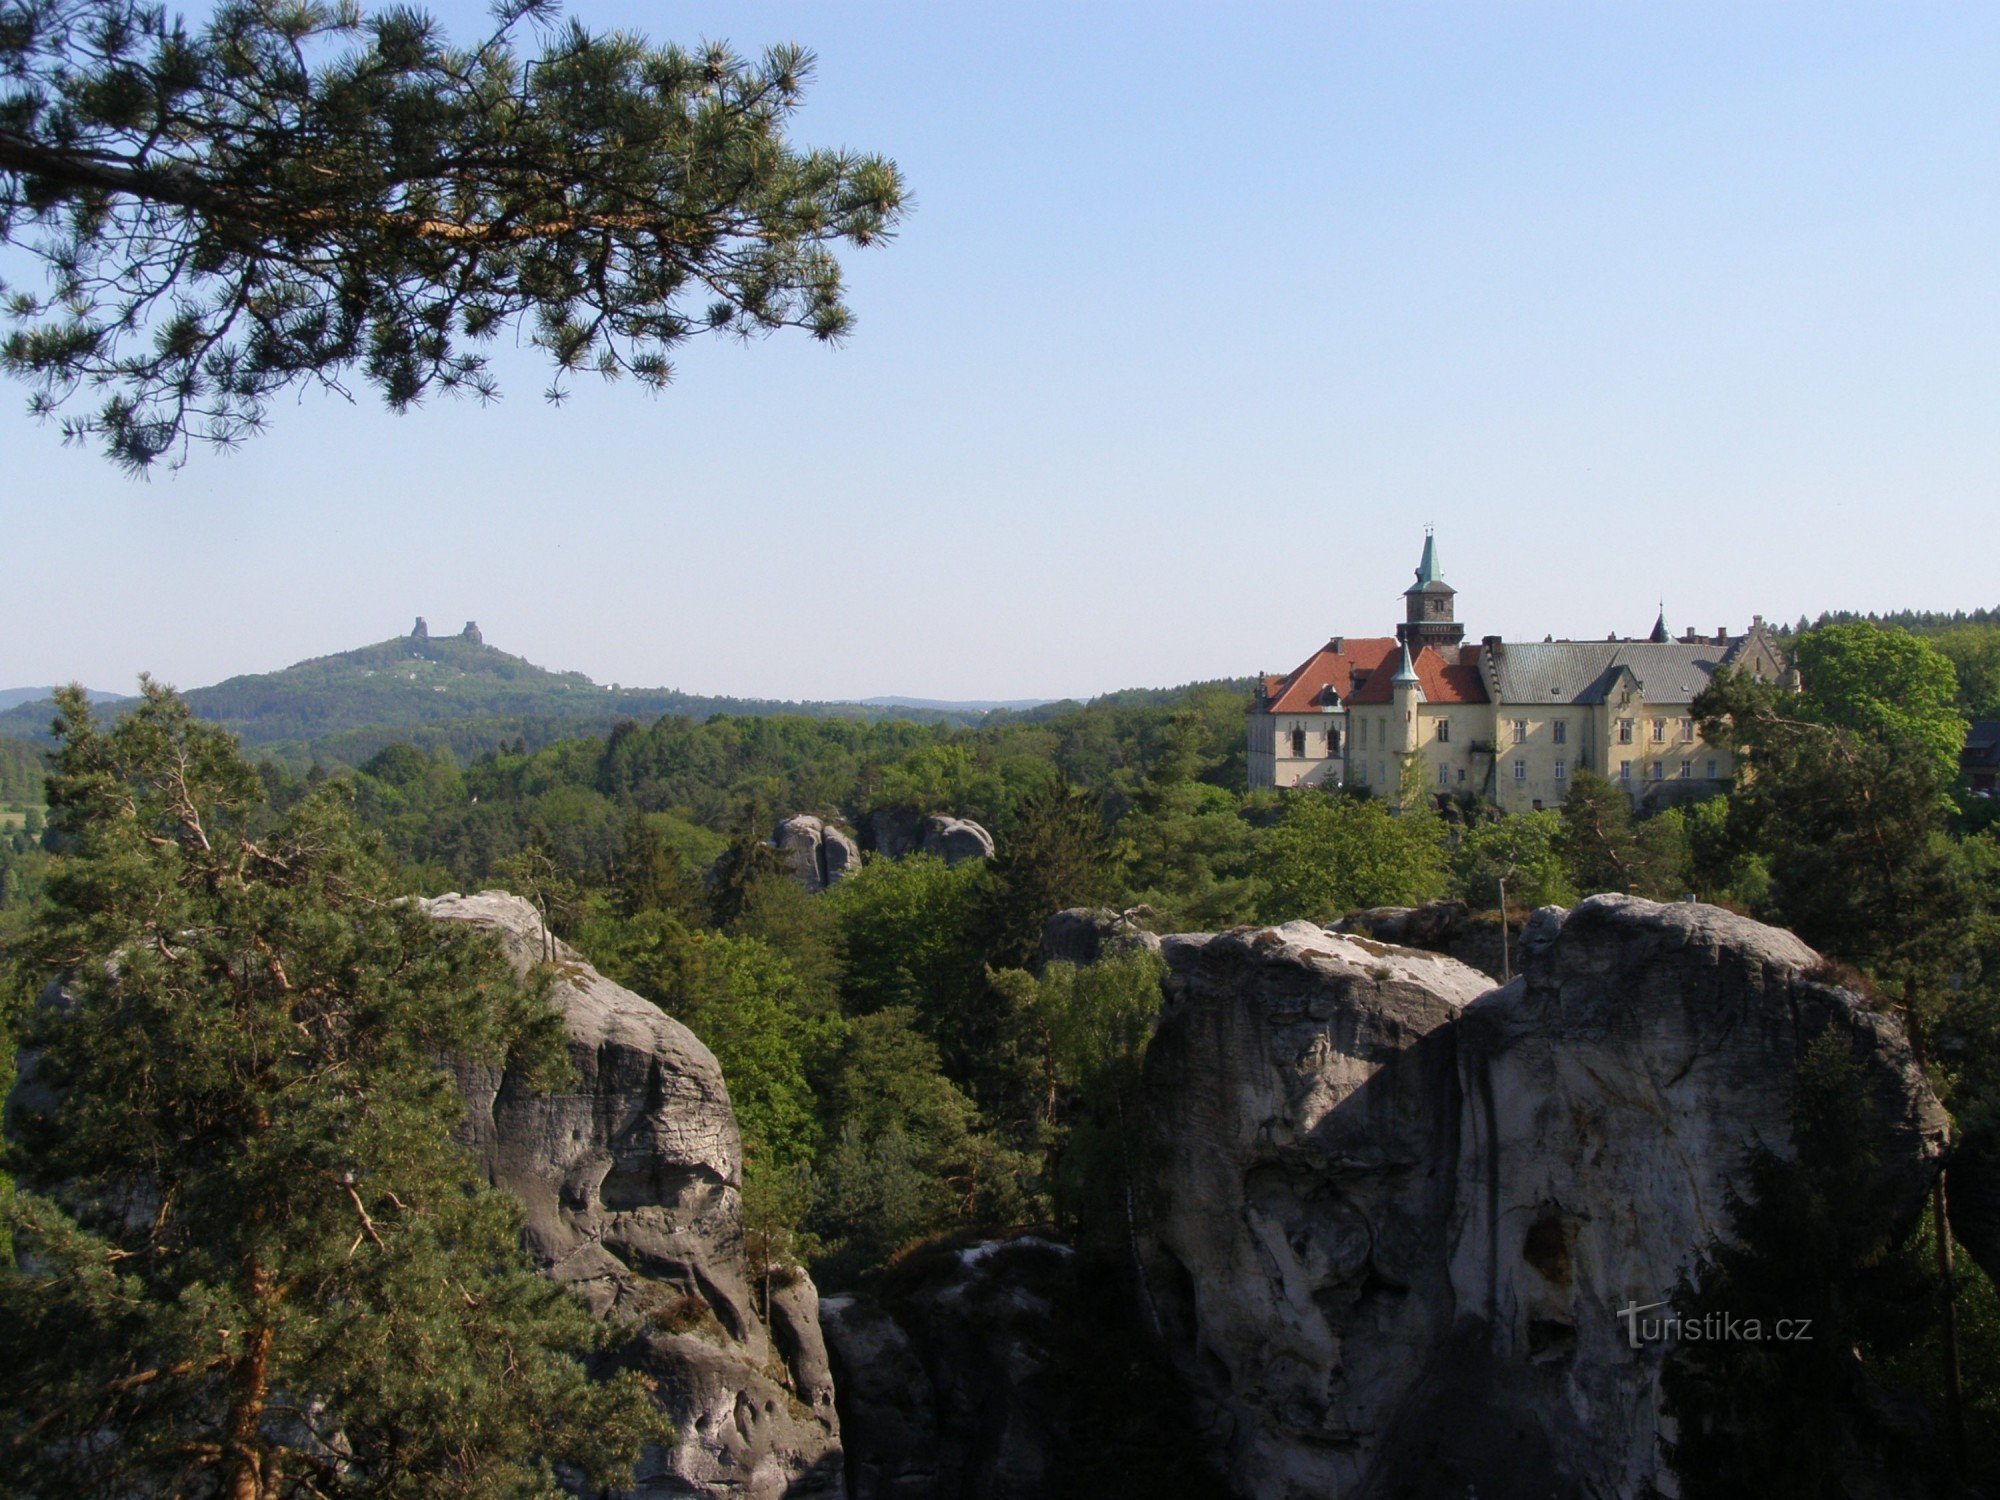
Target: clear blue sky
[(1203, 312)]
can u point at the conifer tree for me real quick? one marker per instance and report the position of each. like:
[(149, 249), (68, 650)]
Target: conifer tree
[(1058, 855), (296, 192), (1809, 1292), (249, 1259)]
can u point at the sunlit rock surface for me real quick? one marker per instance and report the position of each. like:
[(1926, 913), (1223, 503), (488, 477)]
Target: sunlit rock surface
[(1398, 1210), (632, 1185)]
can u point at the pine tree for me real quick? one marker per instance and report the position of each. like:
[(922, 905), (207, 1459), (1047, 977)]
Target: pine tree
[(1815, 1289), (1058, 855), (1607, 849), (249, 1259), (296, 192)]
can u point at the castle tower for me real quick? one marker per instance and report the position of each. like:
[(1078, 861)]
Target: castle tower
[(1406, 691), (1429, 607)]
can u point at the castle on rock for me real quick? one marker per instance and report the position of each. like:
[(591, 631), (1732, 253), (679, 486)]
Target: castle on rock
[(1503, 722)]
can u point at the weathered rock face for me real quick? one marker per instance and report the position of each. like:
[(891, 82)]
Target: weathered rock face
[(946, 1389), (632, 1184), (1399, 1209), (819, 853), (1011, 1370), (893, 834), (1083, 934), (954, 839)]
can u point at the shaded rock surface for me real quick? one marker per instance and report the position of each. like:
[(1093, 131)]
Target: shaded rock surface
[(1008, 1370), (955, 839), (895, 833), (632, 1187), (819, 853), (1399, 1209), (1083, 934)]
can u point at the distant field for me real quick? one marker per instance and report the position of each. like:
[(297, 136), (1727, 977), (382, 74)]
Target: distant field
[(10, 820)]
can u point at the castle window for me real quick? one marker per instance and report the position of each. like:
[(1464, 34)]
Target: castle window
[(1624, 731), (1444, 731), (1624, 770), (1687, 730), (1560, 731), (1711, 770), (1520, 730), (1659, 770), (1461, 773), (1298, 744), (1361, 773), (1332, 741), (1520, 770), (1562, 770), (1444, 775), (1687, 770), (1659, 730)]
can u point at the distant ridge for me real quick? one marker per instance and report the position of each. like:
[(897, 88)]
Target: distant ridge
[(959, 705), (451, 690), (15, 697)]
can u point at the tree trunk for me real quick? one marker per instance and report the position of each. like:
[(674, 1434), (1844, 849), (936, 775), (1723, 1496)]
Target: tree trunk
[(246, 1416), (246, 1409)]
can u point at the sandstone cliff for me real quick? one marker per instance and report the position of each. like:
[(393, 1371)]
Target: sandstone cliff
[(1399, 1210), (631, 1182)]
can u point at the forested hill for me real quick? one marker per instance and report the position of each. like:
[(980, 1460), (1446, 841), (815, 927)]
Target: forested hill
[(452, 692)]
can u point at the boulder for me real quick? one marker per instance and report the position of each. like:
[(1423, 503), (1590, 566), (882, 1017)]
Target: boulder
[(818, 853), (892, 832), (839, 854), (798, 838), (632, 1182), (955, 839), (1428, 926), (1399, 1210), (1082, 935)]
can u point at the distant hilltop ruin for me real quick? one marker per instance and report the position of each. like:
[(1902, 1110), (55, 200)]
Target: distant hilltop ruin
[(422, 632)]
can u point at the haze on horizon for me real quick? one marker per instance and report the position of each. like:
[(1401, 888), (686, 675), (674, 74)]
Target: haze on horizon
[(1202, 314)]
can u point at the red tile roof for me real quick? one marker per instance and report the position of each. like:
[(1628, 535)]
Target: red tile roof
[(1443, 681), (1299, 692)]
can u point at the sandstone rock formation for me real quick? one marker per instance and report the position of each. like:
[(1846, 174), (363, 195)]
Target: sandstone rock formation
[(894, 833), (945, 1387), (1083, 934), (1009, 1370), (631, 1183), (820, 853), (1399, 1210), (954, 839)]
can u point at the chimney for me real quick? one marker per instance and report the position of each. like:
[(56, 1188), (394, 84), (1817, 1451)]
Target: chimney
[(1492, 644), (1722, 635), (1688, 637), (1338, 645)]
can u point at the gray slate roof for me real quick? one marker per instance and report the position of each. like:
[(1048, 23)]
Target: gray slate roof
[(1585, 671)]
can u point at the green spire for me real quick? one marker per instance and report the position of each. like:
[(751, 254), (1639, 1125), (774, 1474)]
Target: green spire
[(1427, 570)]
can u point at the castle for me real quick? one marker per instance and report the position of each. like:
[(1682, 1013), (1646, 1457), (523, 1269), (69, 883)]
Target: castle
[(1509, 724)]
